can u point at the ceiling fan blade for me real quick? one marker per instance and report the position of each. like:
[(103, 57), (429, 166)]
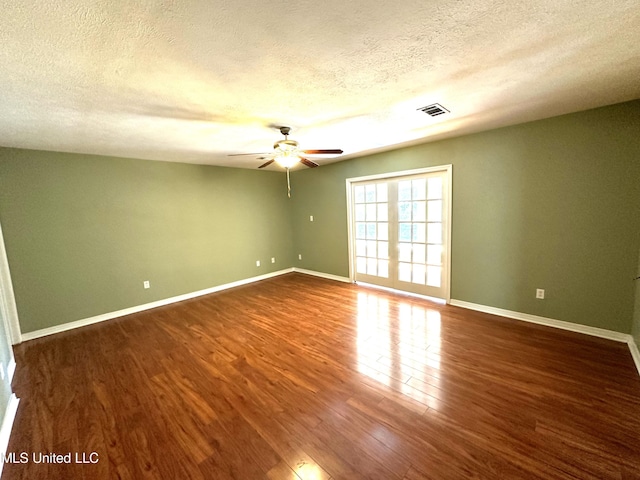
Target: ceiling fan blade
[(322, 152), (308, 163), (238, 154), (266, 164)]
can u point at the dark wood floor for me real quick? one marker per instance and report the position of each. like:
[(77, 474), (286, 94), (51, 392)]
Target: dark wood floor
[(303, 378)]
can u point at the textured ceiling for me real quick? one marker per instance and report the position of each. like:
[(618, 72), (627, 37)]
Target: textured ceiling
[(193, 81)]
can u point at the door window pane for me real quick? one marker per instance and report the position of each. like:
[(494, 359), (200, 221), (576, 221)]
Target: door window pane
[(372, 265), (371, 212), (360, 213), (383, 231), (404, 252), (404, 190), (359, 194), (361, 230), (404, 272), (371, 230), (419, 189), (404, 211), (361, 248), (418, 253), (418, 232), (434, 254), (383, 268), (434, 188), (370, 193), (418, 273), (383, 212), (371, 248), (382, 192), (383, 250), (419, 212), (435, 211), (361, 265), (433, 276), (434, 233), (404, 232)]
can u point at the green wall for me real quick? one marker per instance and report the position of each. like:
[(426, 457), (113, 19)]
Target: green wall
[(83, 232), (550, 204)]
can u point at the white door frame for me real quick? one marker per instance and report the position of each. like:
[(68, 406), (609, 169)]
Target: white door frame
[(7, 298), (351, 234)]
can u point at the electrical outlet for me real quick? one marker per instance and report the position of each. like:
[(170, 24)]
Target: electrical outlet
[(540, 293), (311, 218), (146, 284), (273, 259), (257, 263), (299, 256)]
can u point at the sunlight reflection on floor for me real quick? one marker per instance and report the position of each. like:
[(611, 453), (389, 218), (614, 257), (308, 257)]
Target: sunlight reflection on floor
[(308, 471), (400, 347)]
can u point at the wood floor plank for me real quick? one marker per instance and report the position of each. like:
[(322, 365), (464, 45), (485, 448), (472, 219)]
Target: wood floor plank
[(298, 377)]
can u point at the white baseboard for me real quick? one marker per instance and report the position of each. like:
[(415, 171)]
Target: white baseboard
[(11, 369), (574, 327), (7, 425), (147, 306), (549, 322), (635, 354), (328, 276)]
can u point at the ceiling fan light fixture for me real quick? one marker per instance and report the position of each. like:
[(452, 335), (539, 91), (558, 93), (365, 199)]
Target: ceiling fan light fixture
[(287, 159), (286, 153)]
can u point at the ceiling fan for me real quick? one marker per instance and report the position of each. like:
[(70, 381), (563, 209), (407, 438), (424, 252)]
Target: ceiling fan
[(287, 153)]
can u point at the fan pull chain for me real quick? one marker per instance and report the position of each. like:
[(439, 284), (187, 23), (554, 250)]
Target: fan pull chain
[(288, 185)]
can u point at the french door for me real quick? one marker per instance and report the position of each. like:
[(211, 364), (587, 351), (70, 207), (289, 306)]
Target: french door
[(400, 231)]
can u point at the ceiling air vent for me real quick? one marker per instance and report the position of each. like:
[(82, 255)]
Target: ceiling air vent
[(434, 109)]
